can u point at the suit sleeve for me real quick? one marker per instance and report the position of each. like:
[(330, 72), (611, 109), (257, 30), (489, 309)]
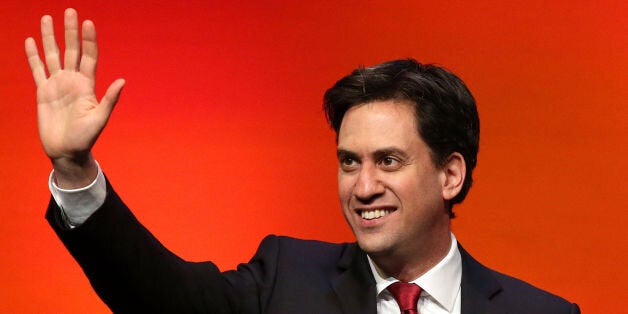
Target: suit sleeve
[(133, 273)]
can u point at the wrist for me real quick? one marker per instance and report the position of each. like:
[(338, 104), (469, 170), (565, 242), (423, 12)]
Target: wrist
[(74, 173)]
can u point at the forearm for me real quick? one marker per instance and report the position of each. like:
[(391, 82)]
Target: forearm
[(131, 271)]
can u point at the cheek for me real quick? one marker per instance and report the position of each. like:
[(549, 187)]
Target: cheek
[(345, 188), (416, 189)]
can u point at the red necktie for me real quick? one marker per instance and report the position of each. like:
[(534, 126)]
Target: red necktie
[(406, 295)]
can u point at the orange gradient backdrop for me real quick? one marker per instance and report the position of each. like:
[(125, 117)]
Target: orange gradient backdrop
[(219, 137)]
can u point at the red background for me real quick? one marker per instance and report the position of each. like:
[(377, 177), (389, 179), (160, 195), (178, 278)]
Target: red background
[(219, 137)]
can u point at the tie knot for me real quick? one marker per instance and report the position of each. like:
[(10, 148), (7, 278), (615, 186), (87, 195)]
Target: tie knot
[(406, 295)]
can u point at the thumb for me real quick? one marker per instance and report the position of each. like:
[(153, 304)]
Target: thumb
[(112, 95)]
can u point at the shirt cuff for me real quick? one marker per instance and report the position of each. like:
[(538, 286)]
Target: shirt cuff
[(79, 204)]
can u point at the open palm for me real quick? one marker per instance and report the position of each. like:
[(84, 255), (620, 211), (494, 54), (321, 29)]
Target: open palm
[(70, 118)]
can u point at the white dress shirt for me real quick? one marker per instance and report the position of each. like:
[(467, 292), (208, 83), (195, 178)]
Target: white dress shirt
[(440, 286), (78, 204)]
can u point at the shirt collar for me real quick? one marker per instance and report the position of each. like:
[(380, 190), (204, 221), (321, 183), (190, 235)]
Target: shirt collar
[(441, 282)]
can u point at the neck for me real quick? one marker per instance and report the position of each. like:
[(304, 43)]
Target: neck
[(410, 266)]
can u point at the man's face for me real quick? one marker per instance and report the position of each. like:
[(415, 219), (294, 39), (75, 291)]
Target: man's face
[(391, 192)]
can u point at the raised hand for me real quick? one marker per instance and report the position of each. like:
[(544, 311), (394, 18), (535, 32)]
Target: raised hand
[(69, 116)]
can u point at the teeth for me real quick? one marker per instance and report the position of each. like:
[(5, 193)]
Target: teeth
[(373, 214)]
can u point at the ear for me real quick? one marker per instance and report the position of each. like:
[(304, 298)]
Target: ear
[(454, 171)]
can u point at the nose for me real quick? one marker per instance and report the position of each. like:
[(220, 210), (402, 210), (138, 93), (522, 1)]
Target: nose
[(368, 186)]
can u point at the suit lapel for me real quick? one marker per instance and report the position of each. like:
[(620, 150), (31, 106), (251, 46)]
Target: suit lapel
[(355, 286), (478, 285)]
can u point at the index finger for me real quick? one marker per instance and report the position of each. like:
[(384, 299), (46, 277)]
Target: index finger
[(89, 58)]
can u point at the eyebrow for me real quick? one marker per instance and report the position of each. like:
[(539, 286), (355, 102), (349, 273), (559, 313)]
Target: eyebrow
[(387, 151), (344, 153), (380, 153)]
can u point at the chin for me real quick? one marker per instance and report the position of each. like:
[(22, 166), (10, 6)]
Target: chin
[(373, 245)]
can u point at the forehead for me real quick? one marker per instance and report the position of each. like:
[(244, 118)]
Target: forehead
[(378, 123)]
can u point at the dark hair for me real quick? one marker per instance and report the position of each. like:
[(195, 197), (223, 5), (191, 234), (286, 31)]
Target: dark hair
[(447, 117)]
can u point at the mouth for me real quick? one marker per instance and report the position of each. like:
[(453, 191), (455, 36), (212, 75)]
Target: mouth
[(370, 214)]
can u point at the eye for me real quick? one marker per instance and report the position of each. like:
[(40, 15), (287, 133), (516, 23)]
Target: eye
[(390, 163), (387, 161), (348, 163)]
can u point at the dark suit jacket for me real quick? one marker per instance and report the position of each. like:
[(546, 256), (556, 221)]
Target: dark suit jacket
[(133, 273)]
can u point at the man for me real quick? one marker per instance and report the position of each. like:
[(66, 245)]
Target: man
[(407, 137)]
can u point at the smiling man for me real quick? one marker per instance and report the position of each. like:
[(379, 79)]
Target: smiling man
[(407, 138), (393, 195)]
